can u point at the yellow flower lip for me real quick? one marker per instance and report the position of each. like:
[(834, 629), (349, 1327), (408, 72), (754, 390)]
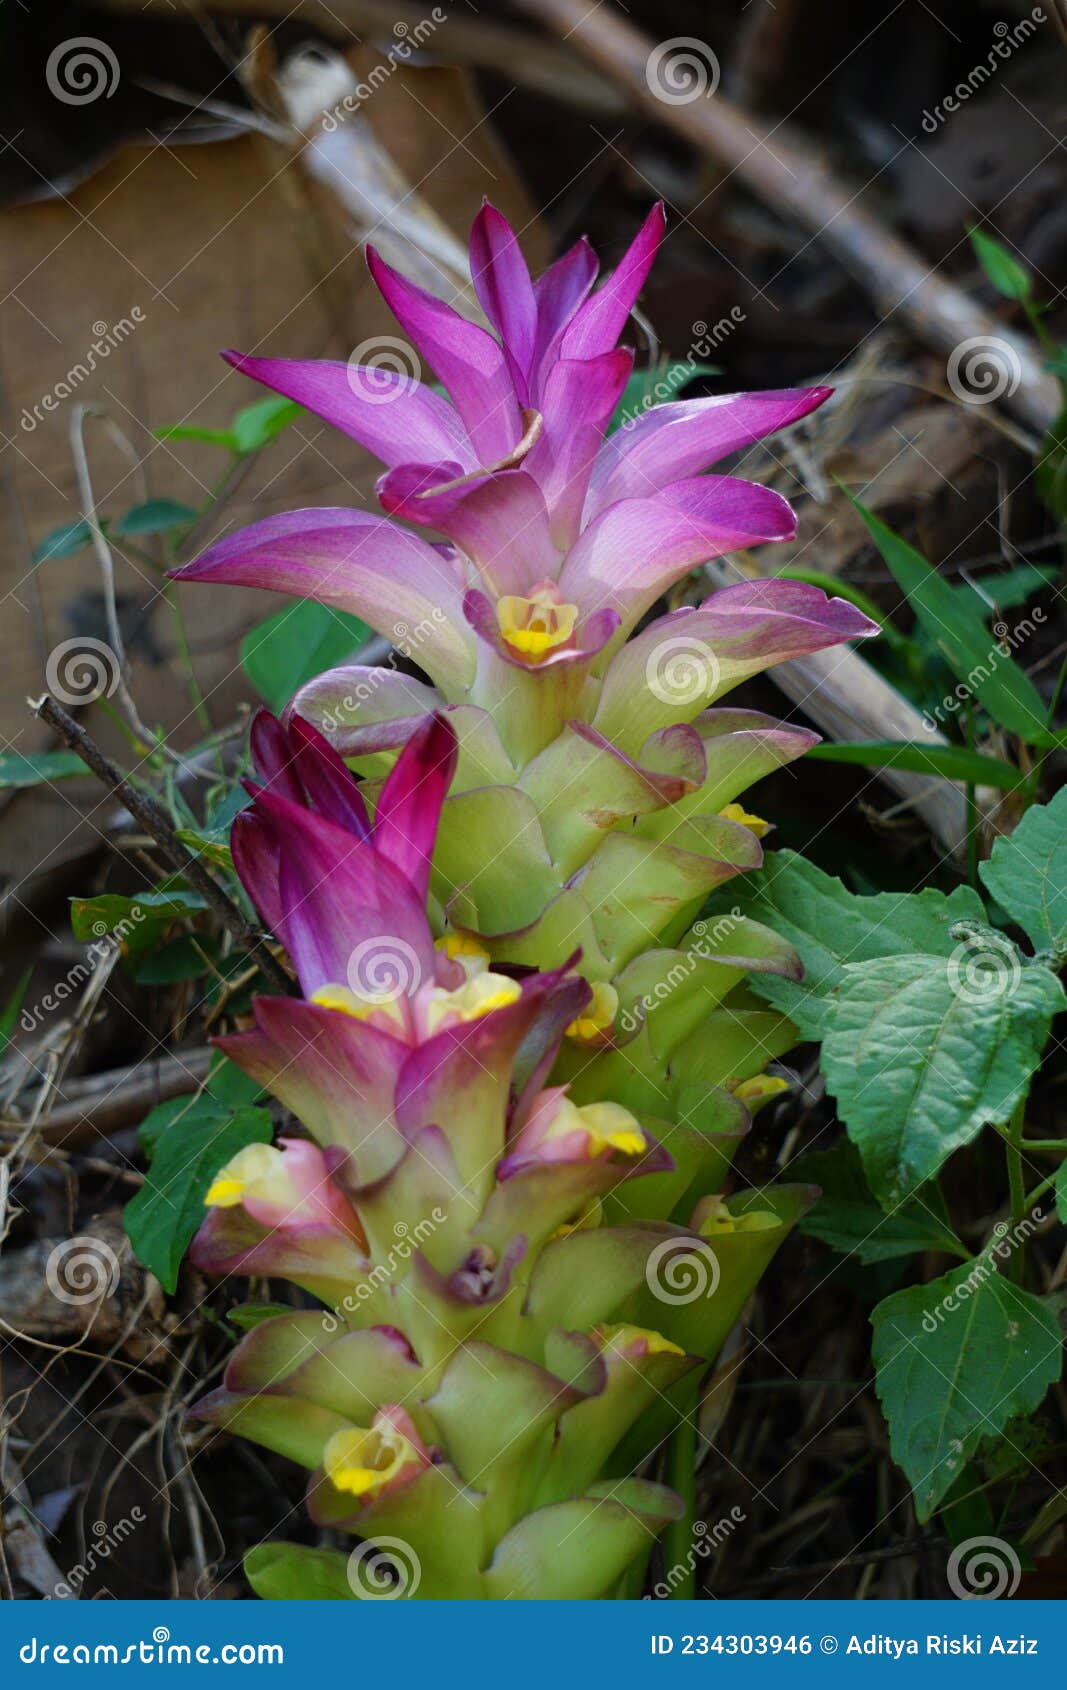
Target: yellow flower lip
[(480, 996), (718, 1221), (363, 1460), (611, 1127), (252, 1166), (536, 625), (598, 1017), (738, 813), (623, 1337)]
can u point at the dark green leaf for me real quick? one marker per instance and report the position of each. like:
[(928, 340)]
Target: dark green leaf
[(953, 762), (181, 959), (188, 1149), (135, 922), (155, 516), (923, 1051), (1007, 274), (1027, 874), (223, 437), (295, 645), (975, 657), (956, 1360), (1061, 1191), (64, 541), (30, 769), (849, 1219), (831, 927)]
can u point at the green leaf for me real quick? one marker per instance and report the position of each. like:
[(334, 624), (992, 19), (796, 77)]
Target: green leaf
[(953, 762), (849, 1219), (223, 437), (288, 1572), (1061, 1192), (959, 633), (9, 1013), (1050, 471), (295, 645), (922, 1051), (181, 959), (256, 425), (64, 541), (1010, 588), (1027, 874), (227, 1088), (155, 516), (188, 1147), (832, 927), (956, 1360), (248, 1315), (136, 922), (30, 769), (1003, 269)]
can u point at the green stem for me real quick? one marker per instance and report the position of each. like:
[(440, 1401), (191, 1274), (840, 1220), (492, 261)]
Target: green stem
[(1016, 1186), (681, 1476), (192, 685)]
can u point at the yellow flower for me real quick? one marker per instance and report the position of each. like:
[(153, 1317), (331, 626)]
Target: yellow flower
[(534, 626), (597, 1017), (362, 1460), (738, 813), (626, 1337)]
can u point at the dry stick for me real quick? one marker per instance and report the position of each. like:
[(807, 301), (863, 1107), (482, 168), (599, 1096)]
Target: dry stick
[(791, 176), (513, 54), (154, 819)]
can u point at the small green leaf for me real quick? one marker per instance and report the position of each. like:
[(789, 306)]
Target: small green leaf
[(289, 1572), (181, 959), (9, 1013), (1027, 874), (246, 1316), (34, 767), (256, 425), (1061, 1192), (155, 516), (295, 645), (832, 927), (956, 1360), (1003, 269), (64, 541), (953, 762), (849, 1219), (973, 654), (136, 922), (188, 1149), (923, 1051), (223, 437)]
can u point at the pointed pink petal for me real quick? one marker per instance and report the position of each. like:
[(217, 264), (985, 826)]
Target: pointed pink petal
[(677, 440), (360, 563), (502, 283), (329, 783), (637, 549), (390, 413), (597, 324), (579, 398), (502, 526), (409, 805), (465, 358), (335, 1074), (559, 293)]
